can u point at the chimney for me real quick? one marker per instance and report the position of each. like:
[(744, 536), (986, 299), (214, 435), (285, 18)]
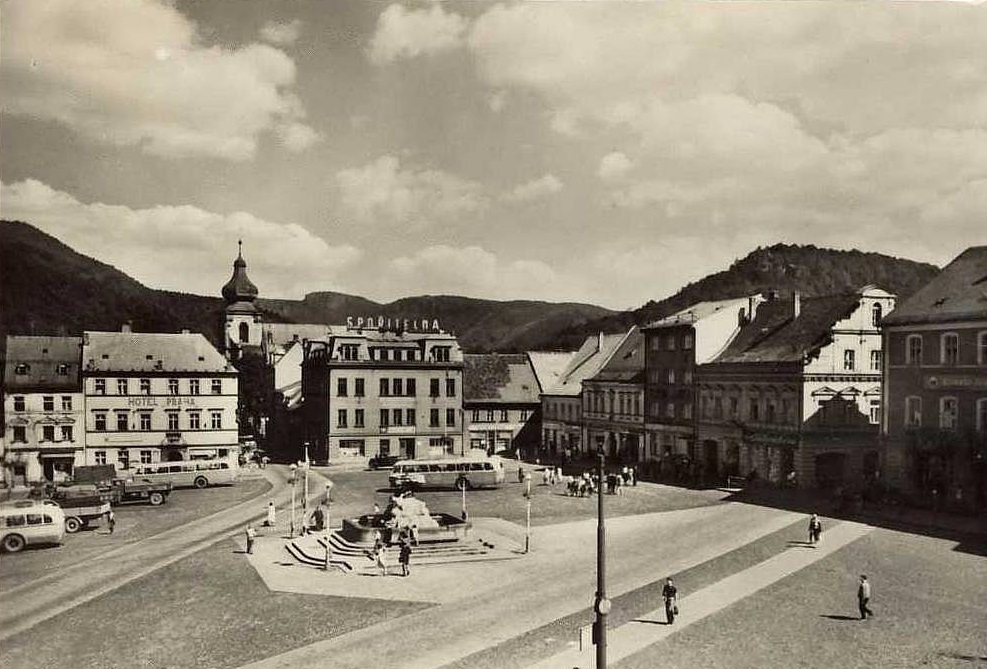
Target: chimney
[(796, 304), (127, 327), (741, 317), (186, 331)]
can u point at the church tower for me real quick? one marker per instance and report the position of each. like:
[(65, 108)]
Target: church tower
[(243, 322)]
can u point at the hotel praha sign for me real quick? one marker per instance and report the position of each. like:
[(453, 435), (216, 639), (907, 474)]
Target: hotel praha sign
[(386, 323)]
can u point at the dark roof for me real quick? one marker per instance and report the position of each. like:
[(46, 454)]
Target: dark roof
[(496, 377), (42, 357), (240, 292), (627, 362), (775, 336), (957, 293)]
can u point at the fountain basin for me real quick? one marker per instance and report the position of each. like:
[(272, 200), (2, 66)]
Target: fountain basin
[(446, 528)]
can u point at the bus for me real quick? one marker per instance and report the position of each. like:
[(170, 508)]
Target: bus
[(197, 473), (27, 522), (461, 473)]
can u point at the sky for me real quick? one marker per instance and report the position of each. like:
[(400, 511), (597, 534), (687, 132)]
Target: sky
[(599, 152)]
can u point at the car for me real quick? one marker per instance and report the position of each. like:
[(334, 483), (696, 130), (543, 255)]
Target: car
[(383, 461)]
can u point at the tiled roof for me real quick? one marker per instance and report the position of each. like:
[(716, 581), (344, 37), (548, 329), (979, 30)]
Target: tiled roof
[(43, 356), (959, 292), (775, 336), (548, 365), (697, 312), (283, 334), (142, 351), (497, 377), (627, 362), (587, 361)]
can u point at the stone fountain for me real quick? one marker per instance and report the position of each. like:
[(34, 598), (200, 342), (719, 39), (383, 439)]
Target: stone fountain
[(403, 514)]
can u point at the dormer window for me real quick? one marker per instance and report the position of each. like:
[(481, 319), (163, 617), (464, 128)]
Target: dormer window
[(22, 369), (62, 369)]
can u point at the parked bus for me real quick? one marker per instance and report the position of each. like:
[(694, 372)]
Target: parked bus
[(29, 522), (462, 473), (190, 473)]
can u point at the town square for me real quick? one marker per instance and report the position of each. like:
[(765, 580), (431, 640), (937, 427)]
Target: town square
[(492, 335)]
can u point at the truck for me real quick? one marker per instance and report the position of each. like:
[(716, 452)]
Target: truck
[(81, 503), (132, 490)]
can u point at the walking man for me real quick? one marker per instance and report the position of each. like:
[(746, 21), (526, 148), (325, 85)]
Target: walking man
[(670, 594), (272, 515), (111, 520), (815, 529), (405, 556), (251, 534), (863, 597)]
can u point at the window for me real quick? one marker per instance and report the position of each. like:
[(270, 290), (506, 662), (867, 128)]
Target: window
[(172, 386), (100, 457), (687, 341), (398, 417), (754, 412), (397, 386), (47, 433), (123, 457), (503, 416), (450, 417), (145, 421), (341, 387), (100, 388), (100, 419), (670, 343), (982, 415), (194, 420), (433, 388), (66, 433), (409, 416), (66, 402), (122, 386), (450, 387), (341, 419), (244, 332), (875, 361), (172, 421), (687, 410), (687, 376), (382, 354), (18, 403), (913, 411), (490, 415), (671, 376), (670, 410), (875, 315), (357, 417), (875, 412), (216, 420), (348, 351), (145, 457), (949, 349), (982, 348), (193, 387), (475, 417), (385, 417), (22, 369), (948, 413), (145, 386), (770, 412), (217, 386), (849, 360), (913, 349), (441, 353), (433, 418), (733, 407), (48, 403), (397, 354), (20, 434), (410, 387), (123, 421), (358, 389), (385, 388)]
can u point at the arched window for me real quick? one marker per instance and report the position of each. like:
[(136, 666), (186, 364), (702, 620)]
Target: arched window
[(949, 349), (913, 349), (244, 332), (948, 413), (875, 315)]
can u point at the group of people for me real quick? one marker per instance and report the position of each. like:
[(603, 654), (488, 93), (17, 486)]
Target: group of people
[(379, 551)]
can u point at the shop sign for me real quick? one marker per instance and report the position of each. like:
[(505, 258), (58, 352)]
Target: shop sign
[(386, 323)]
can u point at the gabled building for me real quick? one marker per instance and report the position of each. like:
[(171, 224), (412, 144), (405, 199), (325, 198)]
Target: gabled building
[(935, 386), (154, 397), (43, 426), (370, 391), (613, 402), (562, 420), (798, 391), (674, 346), (501, 403)]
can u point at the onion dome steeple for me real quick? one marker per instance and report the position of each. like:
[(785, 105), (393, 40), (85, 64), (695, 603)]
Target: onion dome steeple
[(239, 291)]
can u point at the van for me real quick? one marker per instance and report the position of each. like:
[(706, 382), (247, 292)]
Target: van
[(30, 522)]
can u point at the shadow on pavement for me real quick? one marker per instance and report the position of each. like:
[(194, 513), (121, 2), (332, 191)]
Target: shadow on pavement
[(651, 622), (839, 617)]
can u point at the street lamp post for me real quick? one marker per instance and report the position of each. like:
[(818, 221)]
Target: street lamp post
[(328, 527), (527, 515), (462, 486), (602, 604), (306, 465), (291, 525)]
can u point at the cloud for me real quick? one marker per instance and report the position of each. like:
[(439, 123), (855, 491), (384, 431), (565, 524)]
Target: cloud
[(282, 34), (408, 33), (383, 190), (532, 190), (183, 248), (297, 137), (614, 165), (139, 74), (469, 271)]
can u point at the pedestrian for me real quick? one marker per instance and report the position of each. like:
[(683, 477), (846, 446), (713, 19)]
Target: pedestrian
[(558, 474), (379, 553), (251, 534), (863, 597), (633, 476), (111, 520), (376, 508), (625, 475), (414, 532), (815, 529), (405, 557), (272, 515), (670, 594), (520, 474)]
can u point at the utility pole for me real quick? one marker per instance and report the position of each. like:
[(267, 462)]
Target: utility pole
[(602, 604), (291, 526), (527, 519)]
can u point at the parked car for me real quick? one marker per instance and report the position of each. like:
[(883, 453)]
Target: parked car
[(383, 461)]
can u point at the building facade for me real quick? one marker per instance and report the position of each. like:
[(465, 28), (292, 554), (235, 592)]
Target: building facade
[(243, 328), (613, 402), (369, 391), (934, 428), (43, 409), (797, 393), (153, 397), (501, 403)]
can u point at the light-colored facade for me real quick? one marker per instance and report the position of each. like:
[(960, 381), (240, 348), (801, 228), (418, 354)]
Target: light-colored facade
[(43, 409), (153, 397), (371, 392), (613, 403), (501, 403)]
